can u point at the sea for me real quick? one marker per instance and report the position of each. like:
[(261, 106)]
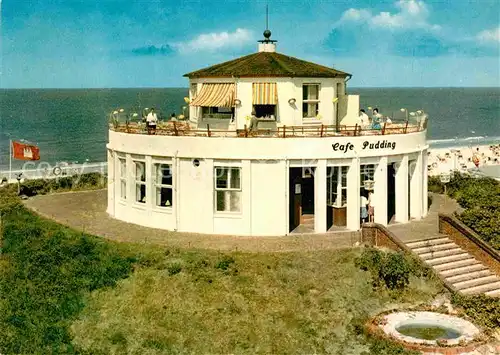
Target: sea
[(71, 125)]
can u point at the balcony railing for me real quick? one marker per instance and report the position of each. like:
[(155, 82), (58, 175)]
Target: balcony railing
[(318, 130)]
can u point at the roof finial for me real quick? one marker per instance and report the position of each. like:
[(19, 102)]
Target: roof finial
[(267, 32), (267, 16)]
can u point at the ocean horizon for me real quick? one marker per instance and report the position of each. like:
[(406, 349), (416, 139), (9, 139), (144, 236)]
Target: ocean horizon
[(71, 125)]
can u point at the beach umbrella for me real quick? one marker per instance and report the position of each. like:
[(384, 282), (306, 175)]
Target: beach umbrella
[(475, 160)]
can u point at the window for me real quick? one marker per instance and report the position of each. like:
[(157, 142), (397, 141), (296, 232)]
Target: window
[(336, 181), (140, 181), (163, 184), (227, 189), (217, 112), (122, 166), (310, 100), (264, 110), (367, 173)]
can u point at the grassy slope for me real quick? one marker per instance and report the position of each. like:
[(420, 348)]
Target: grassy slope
[(263, 303)]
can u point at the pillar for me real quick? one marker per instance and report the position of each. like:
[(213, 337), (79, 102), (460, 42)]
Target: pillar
[(425, 193), (353, 197), (320, 197), (402, 190), (246, 198), (111, 183), (380, 191), (416, 188)]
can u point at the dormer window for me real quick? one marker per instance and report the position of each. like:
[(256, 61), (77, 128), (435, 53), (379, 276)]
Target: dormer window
[(310, 100)]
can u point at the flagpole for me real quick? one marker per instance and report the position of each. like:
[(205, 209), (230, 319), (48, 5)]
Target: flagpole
[(10, 160)]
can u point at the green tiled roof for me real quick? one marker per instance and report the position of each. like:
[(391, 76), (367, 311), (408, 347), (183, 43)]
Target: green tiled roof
[(267, 64)]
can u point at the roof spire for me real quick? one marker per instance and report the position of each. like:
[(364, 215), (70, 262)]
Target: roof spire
[(267, 32)]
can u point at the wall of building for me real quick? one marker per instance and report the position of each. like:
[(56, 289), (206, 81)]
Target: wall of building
[(264, 164), (288, 88)]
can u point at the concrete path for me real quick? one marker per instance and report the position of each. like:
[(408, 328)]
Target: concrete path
[(86, 211), (427, 227)]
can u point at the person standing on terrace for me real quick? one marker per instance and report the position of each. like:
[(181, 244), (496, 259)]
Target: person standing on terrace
[(376, 119), (151, 120), (364, 120)]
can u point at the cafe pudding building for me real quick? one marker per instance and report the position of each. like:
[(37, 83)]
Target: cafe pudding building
[(273, 145)]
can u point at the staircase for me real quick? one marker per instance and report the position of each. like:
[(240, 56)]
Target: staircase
[(460, 269)]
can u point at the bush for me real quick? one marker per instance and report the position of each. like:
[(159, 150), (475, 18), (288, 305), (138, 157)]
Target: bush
[(224, 262), (76, 182), (389, 269), (174, 268), (435, 185), (480, 197), (483, 309)]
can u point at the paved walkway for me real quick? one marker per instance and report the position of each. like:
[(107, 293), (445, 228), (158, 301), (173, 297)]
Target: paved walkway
[(86, 211), (427, 227)]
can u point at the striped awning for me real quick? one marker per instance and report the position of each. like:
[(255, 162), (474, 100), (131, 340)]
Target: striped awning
[(215, 95), (265, 94)]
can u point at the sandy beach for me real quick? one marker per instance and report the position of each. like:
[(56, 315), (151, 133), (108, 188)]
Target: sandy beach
[(463, 159)]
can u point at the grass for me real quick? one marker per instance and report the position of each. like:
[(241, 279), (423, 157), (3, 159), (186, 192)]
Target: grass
[(259, 303), (65, 292)]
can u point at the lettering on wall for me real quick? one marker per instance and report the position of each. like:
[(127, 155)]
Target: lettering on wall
[(366, 145)]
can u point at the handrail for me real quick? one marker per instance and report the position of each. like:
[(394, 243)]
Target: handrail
[(183, 129)]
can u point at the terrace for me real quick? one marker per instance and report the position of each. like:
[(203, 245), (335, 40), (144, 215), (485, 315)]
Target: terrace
[(187, 128)]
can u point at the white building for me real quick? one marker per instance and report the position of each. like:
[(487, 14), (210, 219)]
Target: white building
[(300, 166)]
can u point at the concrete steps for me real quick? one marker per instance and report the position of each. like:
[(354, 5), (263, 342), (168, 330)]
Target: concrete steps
[(465, 273)]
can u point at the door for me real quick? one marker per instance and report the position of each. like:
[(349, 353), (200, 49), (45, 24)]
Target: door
[(391, 192), (295, 196)]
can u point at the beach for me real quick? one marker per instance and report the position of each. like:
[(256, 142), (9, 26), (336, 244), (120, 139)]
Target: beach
[(464, 159)]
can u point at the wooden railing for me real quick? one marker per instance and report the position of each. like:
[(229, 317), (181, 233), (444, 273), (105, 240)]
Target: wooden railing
[(318, 130)]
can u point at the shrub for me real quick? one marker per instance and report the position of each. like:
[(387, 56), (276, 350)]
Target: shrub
[(389, 269), (174, 268), (64, 183), (483, 309), (395, 271), (435, 185), (224, 262)]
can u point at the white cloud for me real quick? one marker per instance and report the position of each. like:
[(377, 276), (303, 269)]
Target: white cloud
[(215, 41), (412, 14), (489, 36)]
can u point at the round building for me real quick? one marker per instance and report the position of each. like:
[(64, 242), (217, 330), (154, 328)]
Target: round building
[(273, 145)]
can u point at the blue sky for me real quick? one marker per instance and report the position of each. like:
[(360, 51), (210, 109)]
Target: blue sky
[(152, 43)]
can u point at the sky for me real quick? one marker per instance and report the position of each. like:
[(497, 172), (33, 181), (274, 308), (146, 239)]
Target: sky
[(152, 43)]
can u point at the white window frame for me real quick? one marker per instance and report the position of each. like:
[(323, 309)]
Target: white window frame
[(122, 177), (228, 190), (367, 172), (138, 183), (310, 101), (156, 185), (337, 186)]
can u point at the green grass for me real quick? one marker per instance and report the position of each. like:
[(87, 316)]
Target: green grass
[(261, 303), (64, 292)]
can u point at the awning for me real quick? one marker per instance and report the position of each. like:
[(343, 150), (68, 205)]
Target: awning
[(215, 95), (265, 94)]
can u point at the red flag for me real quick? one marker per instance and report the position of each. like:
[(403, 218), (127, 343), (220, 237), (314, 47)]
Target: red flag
[(24, 151)]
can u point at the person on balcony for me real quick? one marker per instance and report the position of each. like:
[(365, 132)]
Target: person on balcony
[(151, 121), (253, 121), (363, 119), (376, 119)]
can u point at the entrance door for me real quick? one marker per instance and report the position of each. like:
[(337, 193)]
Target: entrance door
[(391, 192), (295, 197)]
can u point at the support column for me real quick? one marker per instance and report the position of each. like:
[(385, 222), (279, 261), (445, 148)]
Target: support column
[(424, 175), (246, 200), (380, 190), (402, 190), (416, 188), (320, 197), (111, 183), (353, 197)]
